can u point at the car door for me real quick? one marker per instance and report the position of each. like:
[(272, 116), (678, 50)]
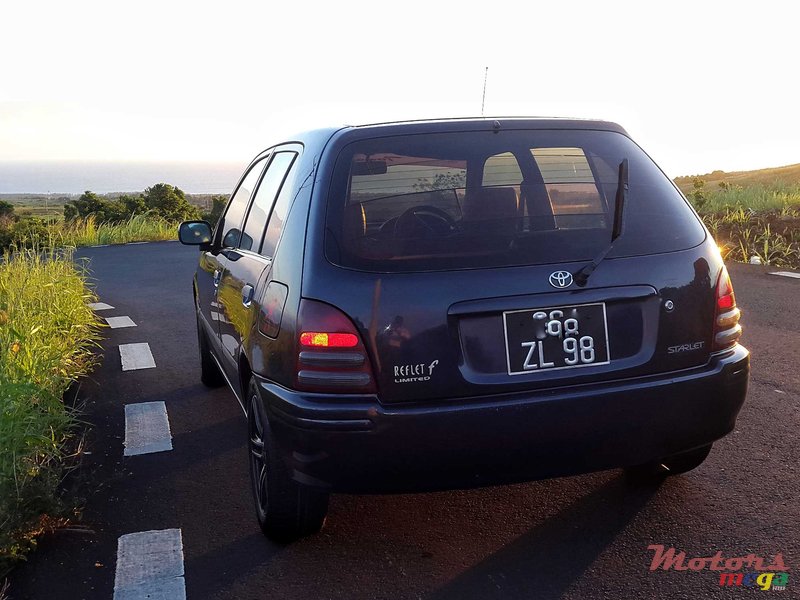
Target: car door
[(244, 265), (226, 235)]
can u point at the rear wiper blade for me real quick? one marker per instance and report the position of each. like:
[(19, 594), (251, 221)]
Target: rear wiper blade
[(582, 276)]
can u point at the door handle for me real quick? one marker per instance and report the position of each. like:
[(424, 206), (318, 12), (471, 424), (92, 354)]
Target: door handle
[(247, 295), (217, 275)]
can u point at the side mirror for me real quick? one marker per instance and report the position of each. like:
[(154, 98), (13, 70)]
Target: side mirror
[(195, 233)]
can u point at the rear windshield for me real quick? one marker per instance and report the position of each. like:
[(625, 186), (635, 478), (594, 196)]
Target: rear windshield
[(485, 199)]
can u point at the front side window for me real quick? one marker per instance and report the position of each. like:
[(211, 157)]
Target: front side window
[(492, 199), (231, 223)]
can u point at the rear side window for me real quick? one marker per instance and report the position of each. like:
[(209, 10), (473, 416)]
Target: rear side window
[(231, 224), (281, 209), (486, 199), (263, 201), (571, 186), (502, 169)]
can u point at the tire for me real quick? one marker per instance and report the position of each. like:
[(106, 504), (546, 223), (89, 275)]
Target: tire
[(671, 465), (210, 374), (286, 511)]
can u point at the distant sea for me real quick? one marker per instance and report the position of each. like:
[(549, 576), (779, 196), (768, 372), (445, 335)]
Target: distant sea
[(103, 177)]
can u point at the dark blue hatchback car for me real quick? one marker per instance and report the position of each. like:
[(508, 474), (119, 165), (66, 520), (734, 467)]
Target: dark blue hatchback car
[(439, 304)]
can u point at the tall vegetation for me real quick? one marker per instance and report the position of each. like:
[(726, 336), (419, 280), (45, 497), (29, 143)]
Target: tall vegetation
[(92, 219), (755, 223), (47, 335)]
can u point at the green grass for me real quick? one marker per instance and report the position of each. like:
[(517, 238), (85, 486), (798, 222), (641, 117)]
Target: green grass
[(756, 198), (771, 236), (757, 221), (88, 232), (139, 228), (47, 337)]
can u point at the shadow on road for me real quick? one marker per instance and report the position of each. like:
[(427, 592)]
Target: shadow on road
[(541, 563), (544, 562), (228, 564)]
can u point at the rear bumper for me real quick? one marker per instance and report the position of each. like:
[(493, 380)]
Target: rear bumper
[(356, 444)]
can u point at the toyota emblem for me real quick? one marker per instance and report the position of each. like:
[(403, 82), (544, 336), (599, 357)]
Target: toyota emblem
[(561, 279)]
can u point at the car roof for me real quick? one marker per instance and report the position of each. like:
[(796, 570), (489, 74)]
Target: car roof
[(319, 136), (507, 122)]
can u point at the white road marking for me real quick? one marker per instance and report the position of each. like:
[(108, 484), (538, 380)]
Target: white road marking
[(99, 246), (136, 356), (135, 243), (120, 322), (150, 566), (215, 316), (786, 274), (99, 306), (146, 428)]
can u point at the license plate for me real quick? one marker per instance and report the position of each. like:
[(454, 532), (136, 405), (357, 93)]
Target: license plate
[(563, 337)]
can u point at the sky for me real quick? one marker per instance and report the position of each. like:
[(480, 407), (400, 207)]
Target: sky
[(700, 85)]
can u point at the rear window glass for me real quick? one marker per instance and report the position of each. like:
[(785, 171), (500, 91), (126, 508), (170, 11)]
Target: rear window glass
[(486, 199)]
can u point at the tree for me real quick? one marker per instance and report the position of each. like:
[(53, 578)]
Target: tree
[(441, 181), (133, 205), (162, 200), (6, 210), (169, 202), (88, 203), (218, 204)]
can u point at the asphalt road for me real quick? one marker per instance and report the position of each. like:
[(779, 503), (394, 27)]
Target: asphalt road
[(578, 537)]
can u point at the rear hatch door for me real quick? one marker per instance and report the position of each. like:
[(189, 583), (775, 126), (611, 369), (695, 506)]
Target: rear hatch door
[(452, 254)]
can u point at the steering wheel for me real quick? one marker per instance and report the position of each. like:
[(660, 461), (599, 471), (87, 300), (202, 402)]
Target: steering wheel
[(424, 221)]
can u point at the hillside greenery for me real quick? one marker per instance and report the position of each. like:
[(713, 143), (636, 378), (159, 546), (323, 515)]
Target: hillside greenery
[(788, 175), (757, 222), (93, 219)]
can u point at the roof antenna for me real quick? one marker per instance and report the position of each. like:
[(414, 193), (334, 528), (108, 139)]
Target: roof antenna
[(483, 100)]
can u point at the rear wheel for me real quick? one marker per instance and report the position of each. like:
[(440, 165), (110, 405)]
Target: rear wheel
[(210, 374), (286, 511), (672, 465)]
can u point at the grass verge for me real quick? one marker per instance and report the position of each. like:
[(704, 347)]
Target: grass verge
[(758, 222), (90, 232), (756, 198), (47, 337)]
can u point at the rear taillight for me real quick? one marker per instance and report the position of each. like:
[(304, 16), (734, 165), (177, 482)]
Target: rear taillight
[(331, 356), (727, 330), (317, 339)]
